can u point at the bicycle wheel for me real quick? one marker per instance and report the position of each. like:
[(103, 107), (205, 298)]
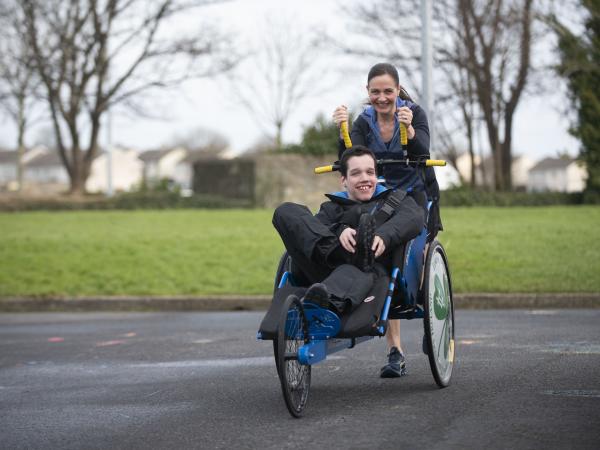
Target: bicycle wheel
[(438, 314), (282, 267), (292, 334)]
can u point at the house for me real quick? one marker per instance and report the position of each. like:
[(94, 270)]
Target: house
[(558, 175), (46, 171), (126, 171), (8, 166), (484, 170), (184, 169), (161, 164), (8, 169)]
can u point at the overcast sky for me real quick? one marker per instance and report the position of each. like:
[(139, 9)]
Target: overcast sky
[(540, 127)]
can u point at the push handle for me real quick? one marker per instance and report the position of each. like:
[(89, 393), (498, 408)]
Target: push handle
[(325, 169), (345, 134), (383, 162), (435, 162), (403, 135)]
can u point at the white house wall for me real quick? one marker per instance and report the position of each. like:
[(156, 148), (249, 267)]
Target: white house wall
[(46, 175), (576, 177), (126, 172), (168, 163), (8, 173), (183, 175)]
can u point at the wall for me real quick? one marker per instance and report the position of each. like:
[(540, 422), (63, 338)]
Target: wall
[(267, 180)]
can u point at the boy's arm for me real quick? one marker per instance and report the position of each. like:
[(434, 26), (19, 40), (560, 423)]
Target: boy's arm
[(331, 215), (406, 223)]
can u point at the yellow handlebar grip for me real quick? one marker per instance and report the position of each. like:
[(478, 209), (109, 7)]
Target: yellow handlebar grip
[(323, 169), (403, 134), (435, 162), (345, 134)]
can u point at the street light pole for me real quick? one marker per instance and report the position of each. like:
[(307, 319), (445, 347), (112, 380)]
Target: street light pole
[(109, 166), (426, 65)]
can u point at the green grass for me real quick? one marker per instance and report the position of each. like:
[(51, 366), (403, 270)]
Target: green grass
[(180, 252)]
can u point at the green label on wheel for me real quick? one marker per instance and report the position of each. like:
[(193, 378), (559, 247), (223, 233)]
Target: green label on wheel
[(440, 298)]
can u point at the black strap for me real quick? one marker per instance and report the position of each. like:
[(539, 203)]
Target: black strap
[(392, 202)]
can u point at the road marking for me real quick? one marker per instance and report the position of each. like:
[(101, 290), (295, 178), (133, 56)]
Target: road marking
[(573, 348), (109, 343), (575, 393)]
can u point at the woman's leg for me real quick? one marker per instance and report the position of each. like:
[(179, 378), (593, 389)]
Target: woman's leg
[(393, 335)]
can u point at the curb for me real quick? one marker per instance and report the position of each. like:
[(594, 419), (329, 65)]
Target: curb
[(262, 302)]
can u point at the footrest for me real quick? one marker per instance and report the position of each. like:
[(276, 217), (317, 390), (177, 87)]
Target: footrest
[(322, 323)]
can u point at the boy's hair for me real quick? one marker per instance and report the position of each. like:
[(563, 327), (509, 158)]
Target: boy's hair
[(356, 150)]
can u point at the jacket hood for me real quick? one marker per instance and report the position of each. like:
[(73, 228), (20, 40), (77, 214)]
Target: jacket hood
[(342, 198)]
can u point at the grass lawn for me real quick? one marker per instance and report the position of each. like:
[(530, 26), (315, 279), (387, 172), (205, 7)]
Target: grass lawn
[(179, 252)]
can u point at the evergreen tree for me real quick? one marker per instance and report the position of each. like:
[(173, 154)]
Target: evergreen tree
[(580, 65), (320, 138)]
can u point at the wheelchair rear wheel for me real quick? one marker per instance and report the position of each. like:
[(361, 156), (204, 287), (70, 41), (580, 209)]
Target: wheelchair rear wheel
[(292, 334), (439, 314)]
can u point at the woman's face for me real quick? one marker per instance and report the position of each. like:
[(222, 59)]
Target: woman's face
[(383, 91)]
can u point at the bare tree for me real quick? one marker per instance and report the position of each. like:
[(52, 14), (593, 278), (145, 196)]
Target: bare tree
[(18, 81), (92, 54), (202, 140), (282, 75), (497, 37)]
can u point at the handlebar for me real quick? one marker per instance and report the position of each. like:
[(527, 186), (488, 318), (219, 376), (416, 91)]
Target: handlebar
[(381, 162), (348, 141)]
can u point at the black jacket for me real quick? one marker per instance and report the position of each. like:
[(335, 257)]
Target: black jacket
[(405, 223)]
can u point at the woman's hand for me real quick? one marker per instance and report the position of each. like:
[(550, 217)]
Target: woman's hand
[(340, 115), (378, 246), (405, 116), (347, 239)]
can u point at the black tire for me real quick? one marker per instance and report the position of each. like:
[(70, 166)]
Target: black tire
[(283, 266), (292, 333), (439, 314)]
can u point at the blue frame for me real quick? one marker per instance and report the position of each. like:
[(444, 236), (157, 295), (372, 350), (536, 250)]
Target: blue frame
[(405, 283)]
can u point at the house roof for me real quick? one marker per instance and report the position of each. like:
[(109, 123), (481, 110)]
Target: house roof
[(154, 155), (48, 159), (199, 155), (8, 157), (552, 163)]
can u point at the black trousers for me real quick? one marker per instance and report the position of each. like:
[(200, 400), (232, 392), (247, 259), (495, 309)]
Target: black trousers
[(314, 248), (319, 257)]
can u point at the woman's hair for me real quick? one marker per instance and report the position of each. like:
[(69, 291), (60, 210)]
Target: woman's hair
[(388, 69), (357, 150)]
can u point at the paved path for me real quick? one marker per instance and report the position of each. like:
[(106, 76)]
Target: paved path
[(523, 379)]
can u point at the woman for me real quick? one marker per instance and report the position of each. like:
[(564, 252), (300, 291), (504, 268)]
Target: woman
[(378, 128)]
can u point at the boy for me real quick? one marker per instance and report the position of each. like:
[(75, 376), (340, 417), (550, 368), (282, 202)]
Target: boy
[(362, 224)]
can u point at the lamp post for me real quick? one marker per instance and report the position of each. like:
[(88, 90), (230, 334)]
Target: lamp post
[(426, 66)]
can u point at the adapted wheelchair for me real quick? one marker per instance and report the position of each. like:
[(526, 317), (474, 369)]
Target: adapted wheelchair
[(418, 286)]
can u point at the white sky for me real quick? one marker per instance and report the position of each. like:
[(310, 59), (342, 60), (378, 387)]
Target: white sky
[(540, 127)]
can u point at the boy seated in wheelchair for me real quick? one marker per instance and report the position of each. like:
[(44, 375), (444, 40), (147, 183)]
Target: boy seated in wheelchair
[(342, 250)]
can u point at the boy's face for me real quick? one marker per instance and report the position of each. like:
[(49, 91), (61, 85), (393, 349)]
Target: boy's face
[(361, 178)]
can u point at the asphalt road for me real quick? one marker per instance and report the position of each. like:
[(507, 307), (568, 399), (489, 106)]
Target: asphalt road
[(523, 379)]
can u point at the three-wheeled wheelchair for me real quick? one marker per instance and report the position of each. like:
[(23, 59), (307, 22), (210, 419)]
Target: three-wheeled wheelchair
[(418, 286)]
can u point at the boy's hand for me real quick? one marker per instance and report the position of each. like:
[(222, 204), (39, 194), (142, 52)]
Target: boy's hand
[(347, 239), (378, 246)]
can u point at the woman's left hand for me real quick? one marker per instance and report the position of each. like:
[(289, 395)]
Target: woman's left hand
[(405, 116)]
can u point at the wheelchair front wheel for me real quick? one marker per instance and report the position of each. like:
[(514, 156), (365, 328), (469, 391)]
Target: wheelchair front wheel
[(438, 314), (292, 333)]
